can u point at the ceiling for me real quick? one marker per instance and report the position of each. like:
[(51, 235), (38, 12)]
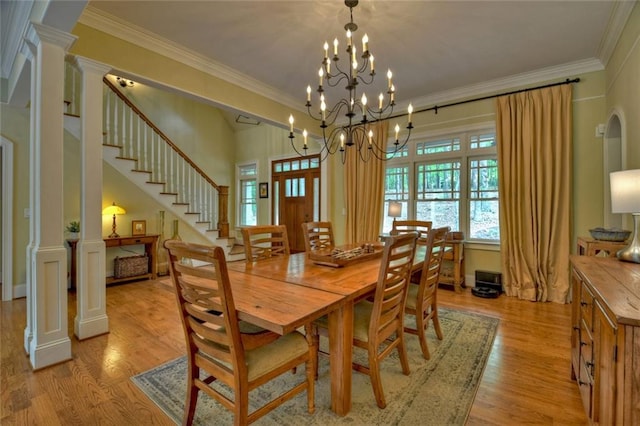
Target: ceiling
[(436, 49)]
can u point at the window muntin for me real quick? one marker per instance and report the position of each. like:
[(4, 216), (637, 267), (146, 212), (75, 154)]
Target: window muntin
[(483, 199), (452, 180), (248, 195), (396, 188)]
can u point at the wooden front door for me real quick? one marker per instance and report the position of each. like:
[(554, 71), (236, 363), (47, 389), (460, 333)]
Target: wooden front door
[(296, 195)]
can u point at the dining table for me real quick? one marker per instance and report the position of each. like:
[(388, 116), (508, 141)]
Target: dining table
[(297, 273)]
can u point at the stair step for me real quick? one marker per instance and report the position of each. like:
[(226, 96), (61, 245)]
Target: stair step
[(156, 182), (180, 204), (191, 212), (140, 171), (202, 221), (125, 158), (168, 193)]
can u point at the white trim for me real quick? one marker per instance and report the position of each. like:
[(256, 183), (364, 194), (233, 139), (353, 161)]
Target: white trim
[(612, 81), (6, 146), (615, 26), (116, 27), (508, 83), (238, 194)]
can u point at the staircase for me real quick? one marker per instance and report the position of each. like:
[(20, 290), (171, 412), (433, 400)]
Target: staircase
[(142, 153)]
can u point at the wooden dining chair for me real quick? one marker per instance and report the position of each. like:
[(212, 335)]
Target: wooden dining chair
[(422, 298), (403, 226), (265, 241), (317, 235), (422, 227), (236, 353), (378, 325)]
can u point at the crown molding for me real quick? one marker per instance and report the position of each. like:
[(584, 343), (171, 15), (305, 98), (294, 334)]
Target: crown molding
[(510, 83), (126, 31), (619, 15), (116, 27)]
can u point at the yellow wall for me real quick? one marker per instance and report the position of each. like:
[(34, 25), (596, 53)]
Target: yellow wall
[(623, 87), (14, 125), (595, 98)]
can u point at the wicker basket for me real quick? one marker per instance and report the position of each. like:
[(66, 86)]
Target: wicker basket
[(130, 266)]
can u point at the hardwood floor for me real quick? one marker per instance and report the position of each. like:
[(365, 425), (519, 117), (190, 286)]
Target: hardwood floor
[(527, 379)]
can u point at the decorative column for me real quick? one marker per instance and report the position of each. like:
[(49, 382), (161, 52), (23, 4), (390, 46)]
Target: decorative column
[(223, 207), (46, 335), (91, 319)]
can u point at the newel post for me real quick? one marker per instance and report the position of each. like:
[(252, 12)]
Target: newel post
[(223, 206)]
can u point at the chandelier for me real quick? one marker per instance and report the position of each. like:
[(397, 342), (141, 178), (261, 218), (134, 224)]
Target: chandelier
[(355, 131)]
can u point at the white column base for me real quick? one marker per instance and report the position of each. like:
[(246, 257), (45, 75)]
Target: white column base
[(91, 319), (50, 343), (50, 353), (91, 327)]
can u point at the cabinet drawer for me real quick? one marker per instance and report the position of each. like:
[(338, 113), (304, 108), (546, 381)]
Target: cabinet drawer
[(586, 388), (586, 307), (586, 353), (138, 240)]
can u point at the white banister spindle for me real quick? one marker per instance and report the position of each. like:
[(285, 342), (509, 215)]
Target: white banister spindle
[(125, 127)]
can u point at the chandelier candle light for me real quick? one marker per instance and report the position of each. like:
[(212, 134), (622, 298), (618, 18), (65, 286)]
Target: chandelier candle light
[(353, 133)]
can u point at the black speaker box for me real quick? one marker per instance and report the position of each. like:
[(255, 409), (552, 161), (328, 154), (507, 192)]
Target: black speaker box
[(489, 280)]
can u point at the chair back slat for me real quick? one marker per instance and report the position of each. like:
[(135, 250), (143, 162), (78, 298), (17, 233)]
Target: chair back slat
[(317, 235), (205, 301), (403, 226), (391, 290), (265, 241), (432, 263)]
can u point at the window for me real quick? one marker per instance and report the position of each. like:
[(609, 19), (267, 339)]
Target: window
[(450, 180), (248, 194)]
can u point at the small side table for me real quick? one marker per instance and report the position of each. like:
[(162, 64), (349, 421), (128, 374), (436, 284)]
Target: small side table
[(591, 247)]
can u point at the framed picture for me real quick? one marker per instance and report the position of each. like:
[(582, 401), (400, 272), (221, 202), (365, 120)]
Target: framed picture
[(263, 190), (138, 227)]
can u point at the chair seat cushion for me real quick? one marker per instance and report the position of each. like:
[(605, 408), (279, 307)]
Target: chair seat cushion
[(361, 319), (412, 296), (276, 354)]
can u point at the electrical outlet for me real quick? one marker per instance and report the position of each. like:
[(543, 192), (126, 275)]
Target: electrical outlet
[(27, 213)]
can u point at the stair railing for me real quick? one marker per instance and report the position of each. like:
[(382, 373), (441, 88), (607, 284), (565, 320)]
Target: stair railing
[(139, 139)]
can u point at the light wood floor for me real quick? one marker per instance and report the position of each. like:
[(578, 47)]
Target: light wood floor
[(527, 379)]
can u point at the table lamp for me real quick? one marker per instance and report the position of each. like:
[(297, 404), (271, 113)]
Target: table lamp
[(395, 210), (625, 198), (113, 210)]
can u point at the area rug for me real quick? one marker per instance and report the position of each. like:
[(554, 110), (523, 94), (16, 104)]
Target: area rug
[(439, 391)]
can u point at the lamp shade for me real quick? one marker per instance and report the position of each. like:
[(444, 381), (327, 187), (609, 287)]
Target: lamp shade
[(113, 209), (395, 209), (625, 191)]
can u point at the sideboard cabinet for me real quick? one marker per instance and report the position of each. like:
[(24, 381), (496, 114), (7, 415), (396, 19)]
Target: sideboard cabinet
[(605, 338)]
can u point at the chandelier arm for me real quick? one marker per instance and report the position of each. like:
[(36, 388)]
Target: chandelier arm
[(332, 115), (354, 73), (332, 82), (318, 118), (361, 78)]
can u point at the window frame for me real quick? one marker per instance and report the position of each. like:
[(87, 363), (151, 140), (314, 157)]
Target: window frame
[(464, 155), (240, 201)]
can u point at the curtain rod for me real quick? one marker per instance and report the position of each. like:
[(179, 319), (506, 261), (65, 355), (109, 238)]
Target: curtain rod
[(437, 107)]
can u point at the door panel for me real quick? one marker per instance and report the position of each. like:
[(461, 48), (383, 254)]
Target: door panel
[(298, 197)]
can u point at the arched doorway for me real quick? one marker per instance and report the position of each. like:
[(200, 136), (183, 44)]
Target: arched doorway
[(612, 158)]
